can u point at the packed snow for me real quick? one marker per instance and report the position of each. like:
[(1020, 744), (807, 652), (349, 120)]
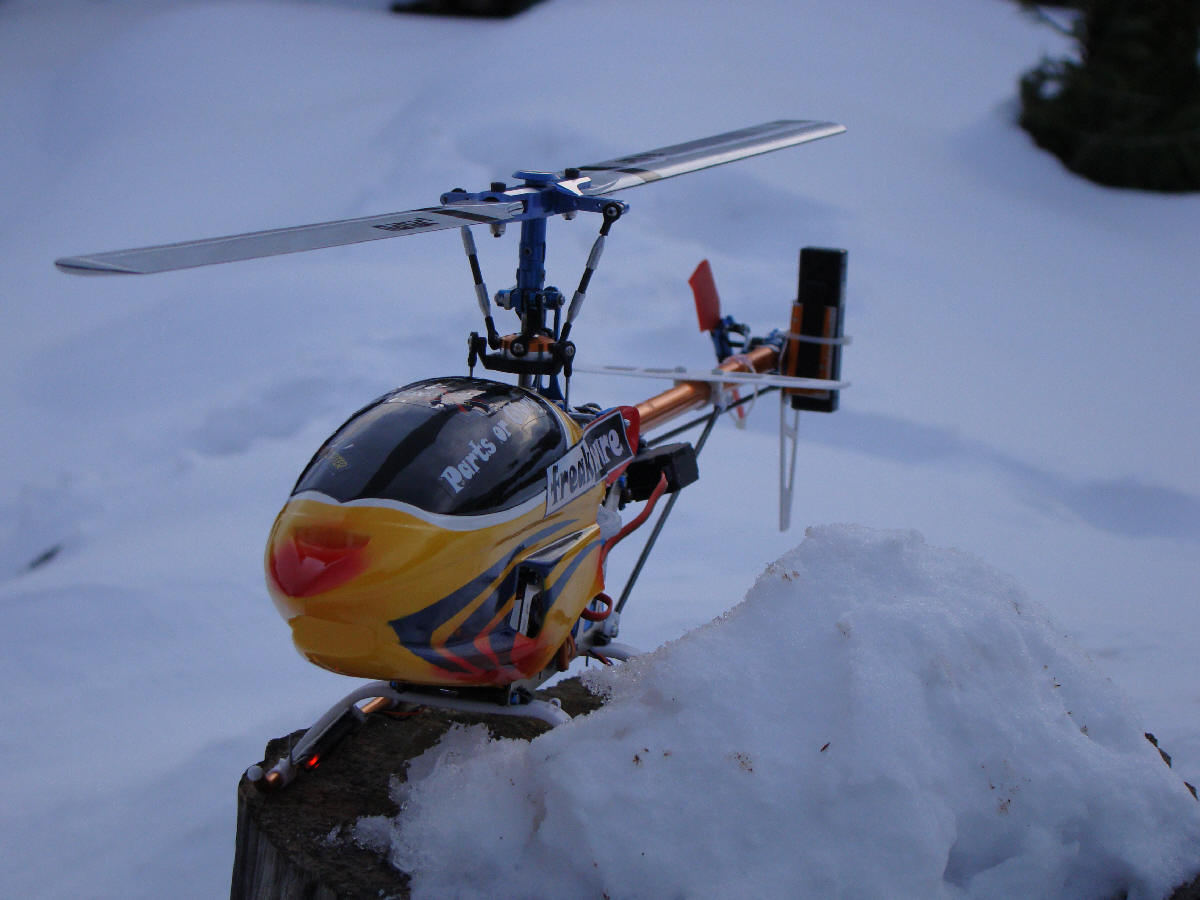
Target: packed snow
[(1022, 365), (904, 723)]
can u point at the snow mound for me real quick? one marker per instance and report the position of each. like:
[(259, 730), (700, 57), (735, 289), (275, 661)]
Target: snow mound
[(871, 694)]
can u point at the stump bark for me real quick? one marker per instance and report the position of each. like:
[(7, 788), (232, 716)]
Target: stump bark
[(295, 843)]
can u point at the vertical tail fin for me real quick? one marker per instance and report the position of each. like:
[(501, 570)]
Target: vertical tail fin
[(815, 339), (813, 350)]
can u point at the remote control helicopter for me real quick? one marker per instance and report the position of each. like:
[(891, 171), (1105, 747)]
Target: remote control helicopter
[(450, 539)]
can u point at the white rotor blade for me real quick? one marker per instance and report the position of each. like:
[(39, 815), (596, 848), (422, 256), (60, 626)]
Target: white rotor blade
[(717, 376), (665, 162), (185, 255)]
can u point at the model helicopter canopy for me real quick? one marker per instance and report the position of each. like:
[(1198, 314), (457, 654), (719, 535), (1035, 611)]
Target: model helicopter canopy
[(452, 446)]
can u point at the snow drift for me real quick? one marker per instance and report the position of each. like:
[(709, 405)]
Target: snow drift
[(871, 692)]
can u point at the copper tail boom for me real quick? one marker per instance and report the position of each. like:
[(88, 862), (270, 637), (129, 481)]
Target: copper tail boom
[(689, 395)]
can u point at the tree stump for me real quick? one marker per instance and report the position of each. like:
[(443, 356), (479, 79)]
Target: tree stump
[(294, 843)]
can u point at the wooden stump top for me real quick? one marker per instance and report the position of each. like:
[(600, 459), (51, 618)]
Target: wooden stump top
[(296, 843)]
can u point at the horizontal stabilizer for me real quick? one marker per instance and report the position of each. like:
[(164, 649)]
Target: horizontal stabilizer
[(678, 159), (719, 376), (275, 241)]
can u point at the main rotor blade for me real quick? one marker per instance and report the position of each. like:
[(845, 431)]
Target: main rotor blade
[(666, 162), (185, 255)]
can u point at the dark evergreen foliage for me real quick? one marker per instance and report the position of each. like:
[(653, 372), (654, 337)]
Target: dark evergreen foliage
[(1127, 113)]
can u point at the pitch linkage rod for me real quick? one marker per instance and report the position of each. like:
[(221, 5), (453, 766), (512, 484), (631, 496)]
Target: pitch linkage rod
[(481, 291), (610, 212)]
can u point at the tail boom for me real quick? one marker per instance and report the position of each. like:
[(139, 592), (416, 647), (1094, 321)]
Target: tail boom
[(689, 395)]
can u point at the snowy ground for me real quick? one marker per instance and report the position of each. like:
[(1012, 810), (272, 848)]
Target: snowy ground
[(907, 724), (1022, 364)]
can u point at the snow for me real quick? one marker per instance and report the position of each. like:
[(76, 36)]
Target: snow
[(1024, 347), (905, 723)]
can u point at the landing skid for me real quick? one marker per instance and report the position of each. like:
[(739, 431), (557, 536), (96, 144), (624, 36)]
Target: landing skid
[(612, 650), (346, 715), (515, 700)]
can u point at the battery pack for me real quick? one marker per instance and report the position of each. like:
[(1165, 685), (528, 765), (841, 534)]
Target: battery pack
[(676, 461)]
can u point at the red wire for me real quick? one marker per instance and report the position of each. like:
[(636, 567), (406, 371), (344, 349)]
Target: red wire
[(597, 615), (637, 521)]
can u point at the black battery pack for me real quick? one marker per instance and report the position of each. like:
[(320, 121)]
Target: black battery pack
[(676, 461)]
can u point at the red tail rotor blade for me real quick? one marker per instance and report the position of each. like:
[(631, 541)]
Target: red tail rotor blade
[(704, 289)]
